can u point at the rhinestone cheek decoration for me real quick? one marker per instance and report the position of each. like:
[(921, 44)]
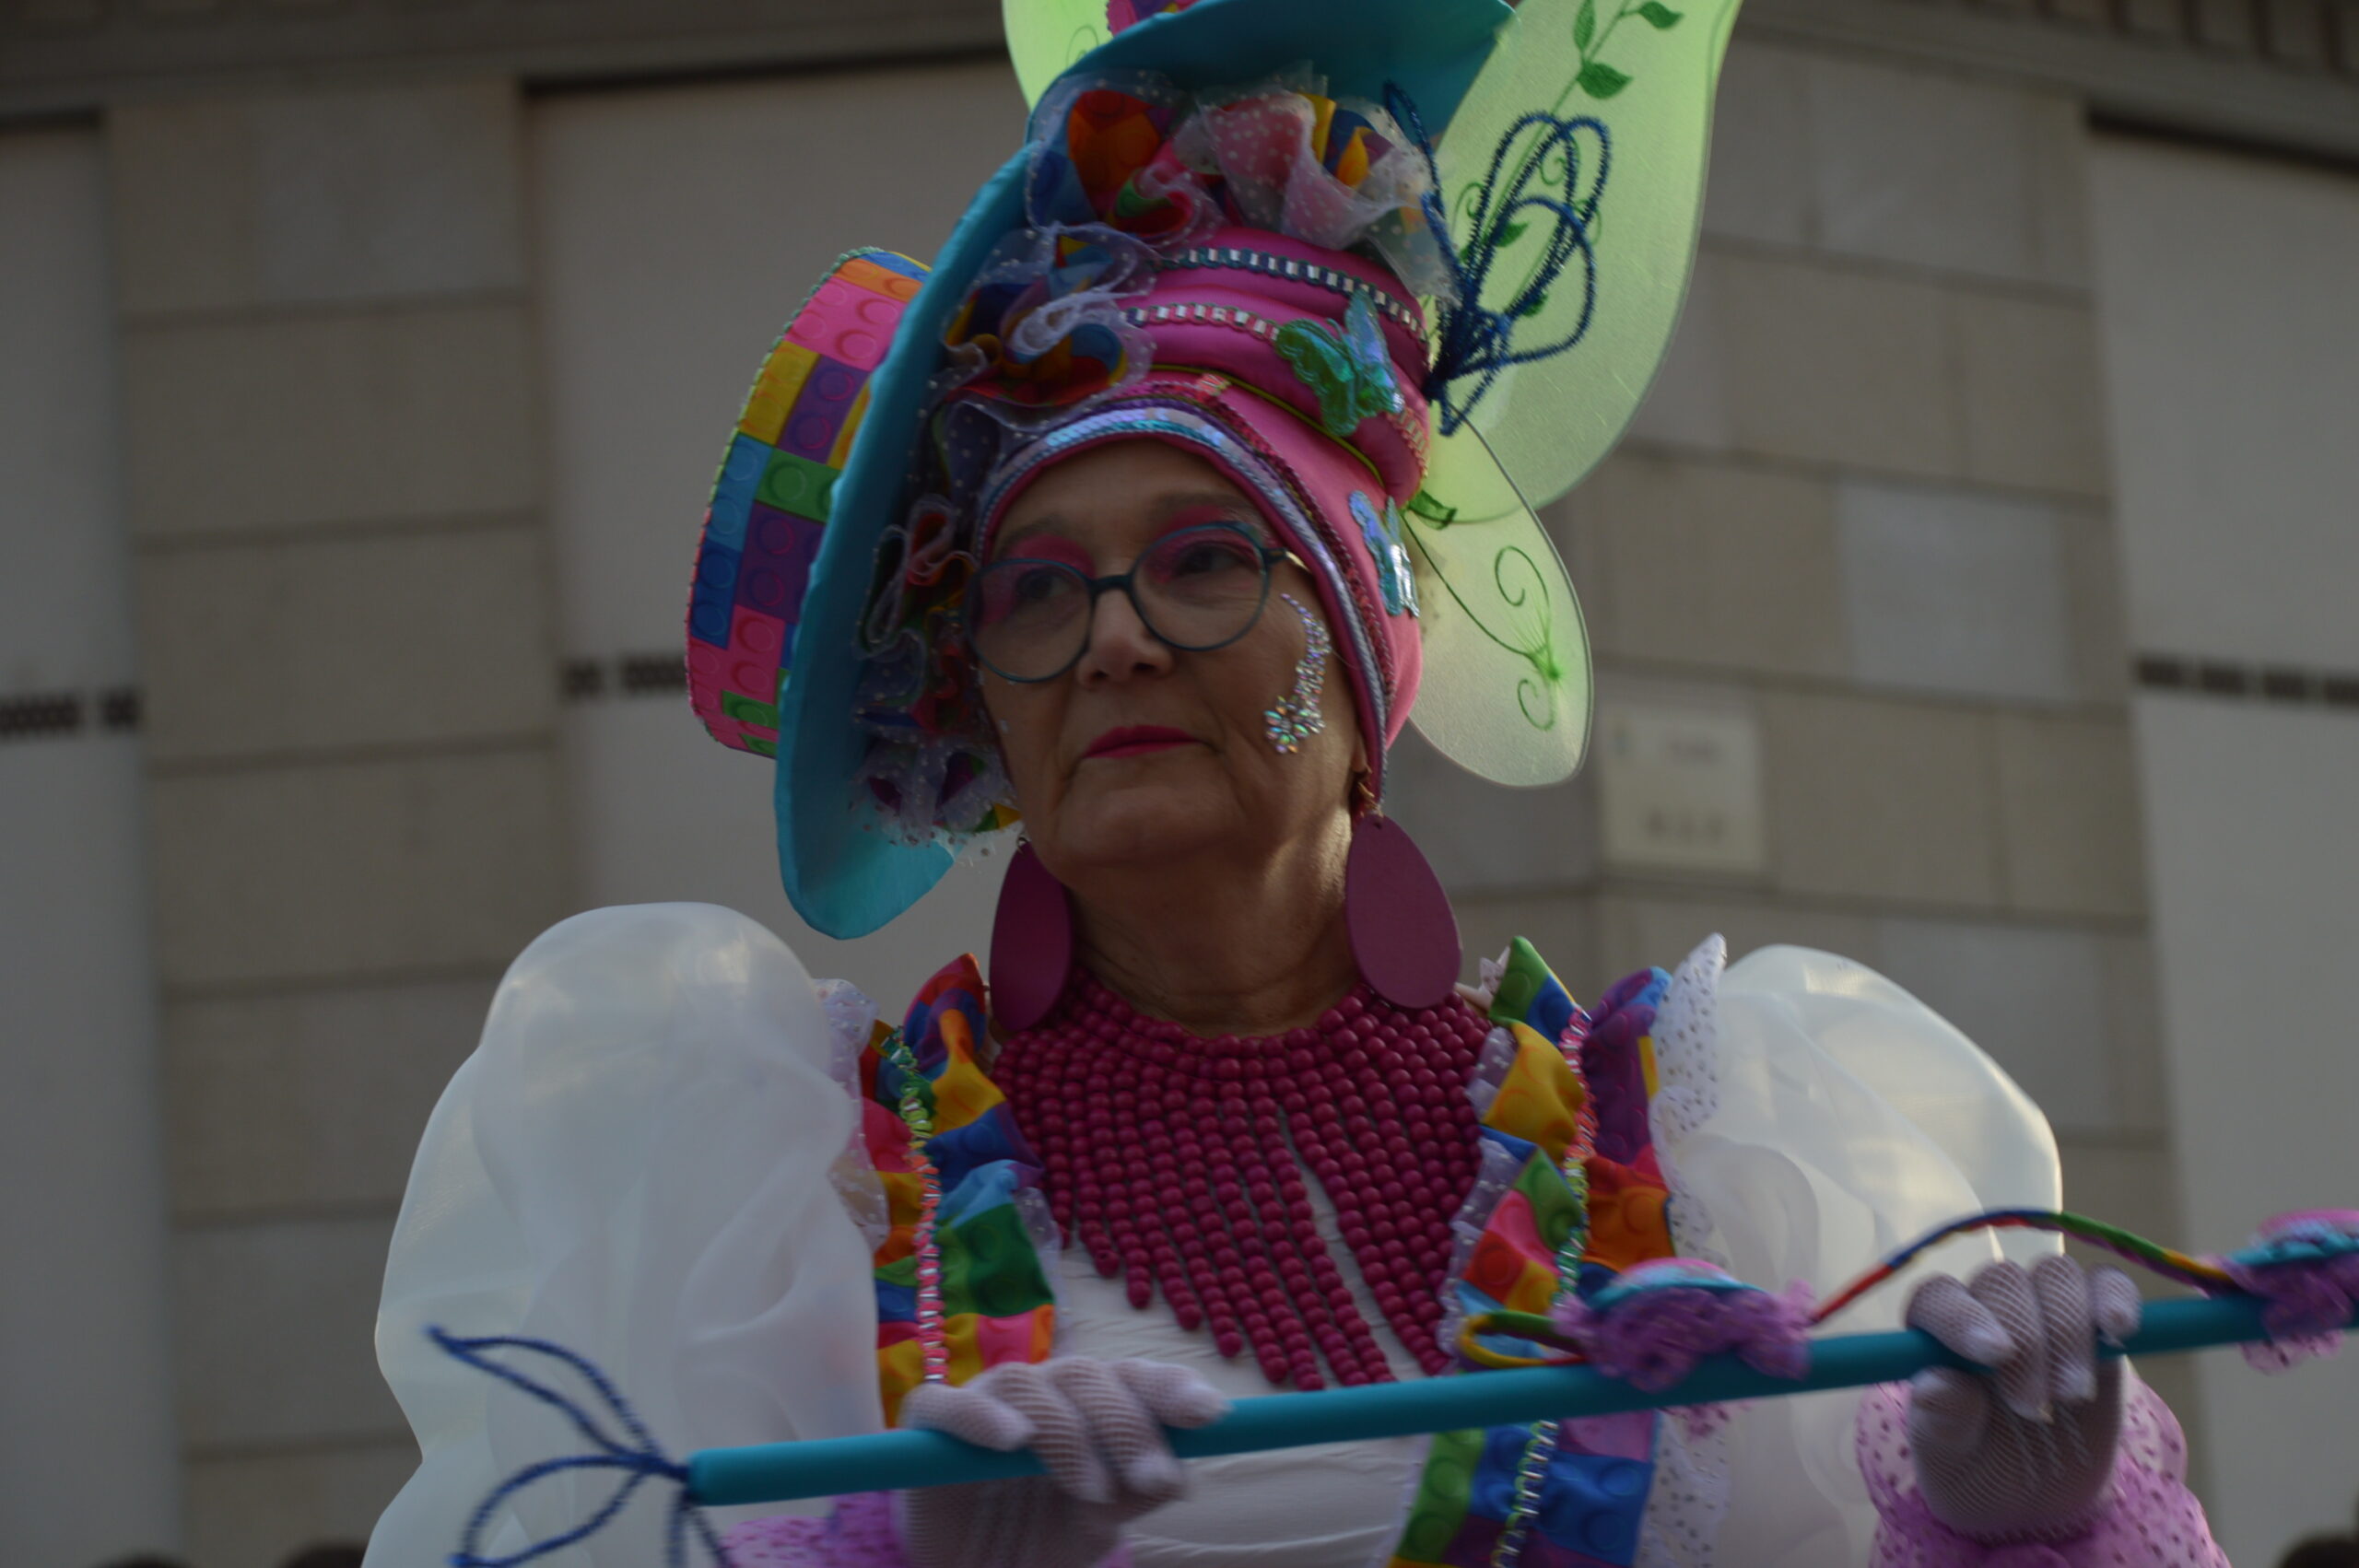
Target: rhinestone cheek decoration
[(1298, 716)]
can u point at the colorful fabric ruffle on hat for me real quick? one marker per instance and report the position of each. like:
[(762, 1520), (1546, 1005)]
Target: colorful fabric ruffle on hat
[(1138, 156), (1115, 164), (1044, 329)]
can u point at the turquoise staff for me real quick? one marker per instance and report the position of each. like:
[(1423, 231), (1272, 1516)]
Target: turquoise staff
[(776, 1472)]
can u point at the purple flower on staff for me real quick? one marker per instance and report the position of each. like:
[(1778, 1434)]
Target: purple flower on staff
[(1651, 1326), (2305, 1269)]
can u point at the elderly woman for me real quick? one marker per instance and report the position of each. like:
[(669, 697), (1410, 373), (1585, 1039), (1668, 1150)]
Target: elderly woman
[(1143, 523)]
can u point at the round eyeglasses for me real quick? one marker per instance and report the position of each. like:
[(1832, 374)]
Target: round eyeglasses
[(1196, 588)]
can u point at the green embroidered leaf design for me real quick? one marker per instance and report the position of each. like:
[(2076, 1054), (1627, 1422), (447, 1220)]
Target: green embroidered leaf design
[(1514, 616), (1659, 16), (1507, 234), (1601, 80), (1534, 305), (1585, 25), (1424, 506)]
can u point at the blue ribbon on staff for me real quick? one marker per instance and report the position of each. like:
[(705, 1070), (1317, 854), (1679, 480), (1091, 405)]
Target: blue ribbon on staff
[(777, 1472), (634, 1456)]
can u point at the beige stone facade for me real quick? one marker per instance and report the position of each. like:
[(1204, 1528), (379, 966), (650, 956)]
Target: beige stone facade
[(355, 805), (404, 489)]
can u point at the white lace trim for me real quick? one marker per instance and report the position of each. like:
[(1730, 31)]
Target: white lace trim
[(1686, 1036), (1689, 1498), (850, 1017)]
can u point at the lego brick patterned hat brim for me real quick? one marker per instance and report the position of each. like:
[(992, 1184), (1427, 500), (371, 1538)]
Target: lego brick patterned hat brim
[(774, 494), (843, 875)]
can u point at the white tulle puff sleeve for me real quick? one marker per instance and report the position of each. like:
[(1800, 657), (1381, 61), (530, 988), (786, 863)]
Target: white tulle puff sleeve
[(1812, 1116), (635, 1164)]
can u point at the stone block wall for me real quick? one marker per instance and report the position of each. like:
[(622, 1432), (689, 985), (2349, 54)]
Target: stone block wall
[(90, 1467), (353, 789)]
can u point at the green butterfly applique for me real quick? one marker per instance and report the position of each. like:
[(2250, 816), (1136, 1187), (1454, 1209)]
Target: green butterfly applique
[(1348, 370)]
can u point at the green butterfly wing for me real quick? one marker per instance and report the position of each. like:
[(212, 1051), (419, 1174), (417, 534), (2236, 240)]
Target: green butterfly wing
[(1507, 687), (1046, 36)]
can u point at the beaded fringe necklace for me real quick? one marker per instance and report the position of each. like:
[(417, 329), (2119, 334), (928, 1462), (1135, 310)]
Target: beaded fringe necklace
[(1173, 1160)]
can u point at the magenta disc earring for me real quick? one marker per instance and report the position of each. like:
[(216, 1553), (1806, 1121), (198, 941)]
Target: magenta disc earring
[(1404, 933), (1031, 943)]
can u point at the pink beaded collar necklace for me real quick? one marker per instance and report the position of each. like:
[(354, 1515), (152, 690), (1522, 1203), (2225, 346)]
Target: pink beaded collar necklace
[(1173, 1159)]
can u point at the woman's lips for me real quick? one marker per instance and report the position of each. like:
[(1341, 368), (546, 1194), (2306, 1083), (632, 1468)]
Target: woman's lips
[(1137, 739)]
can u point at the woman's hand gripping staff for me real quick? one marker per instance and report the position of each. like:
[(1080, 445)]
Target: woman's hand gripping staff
[(2027, 1451), (1098, 1425)]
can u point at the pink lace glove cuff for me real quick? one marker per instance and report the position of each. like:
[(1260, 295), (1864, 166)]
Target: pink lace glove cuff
[(2151, 1520), (859, 1534)]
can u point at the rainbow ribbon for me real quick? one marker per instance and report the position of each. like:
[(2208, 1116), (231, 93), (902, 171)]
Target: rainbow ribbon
[(2204, 1273), (776, 1472)]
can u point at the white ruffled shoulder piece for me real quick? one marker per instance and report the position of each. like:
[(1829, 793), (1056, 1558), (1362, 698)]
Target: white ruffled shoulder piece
[(1812, 1116), (635, 1164)]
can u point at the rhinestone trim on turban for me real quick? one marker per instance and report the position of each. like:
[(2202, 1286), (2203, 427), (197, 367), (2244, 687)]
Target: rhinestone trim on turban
[(1295, 270)]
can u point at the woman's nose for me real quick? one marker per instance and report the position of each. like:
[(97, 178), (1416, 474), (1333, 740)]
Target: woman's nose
[(1120, 645)]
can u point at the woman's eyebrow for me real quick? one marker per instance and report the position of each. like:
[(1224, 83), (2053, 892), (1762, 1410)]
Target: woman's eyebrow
[(1213, 507), (1163, 510), (1206, 500), (1047, 525)]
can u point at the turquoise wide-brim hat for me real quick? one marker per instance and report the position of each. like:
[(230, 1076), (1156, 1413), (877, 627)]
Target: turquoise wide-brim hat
[(1570, 140)]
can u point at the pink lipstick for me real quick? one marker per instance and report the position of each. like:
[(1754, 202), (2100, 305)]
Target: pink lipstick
[(1137, 739)]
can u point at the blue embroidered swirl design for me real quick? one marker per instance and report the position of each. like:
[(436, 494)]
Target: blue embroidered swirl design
[(1550, 198)]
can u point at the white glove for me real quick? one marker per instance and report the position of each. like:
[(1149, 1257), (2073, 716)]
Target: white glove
[(1098, 1425), (2025, 1451)]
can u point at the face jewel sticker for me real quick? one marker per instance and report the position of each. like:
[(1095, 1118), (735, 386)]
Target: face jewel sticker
[(1385, 541), (1347, 368)]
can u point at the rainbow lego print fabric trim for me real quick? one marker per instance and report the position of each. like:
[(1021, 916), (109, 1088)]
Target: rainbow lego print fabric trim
[(996, 1302), (771, 497), (1570, 1196)]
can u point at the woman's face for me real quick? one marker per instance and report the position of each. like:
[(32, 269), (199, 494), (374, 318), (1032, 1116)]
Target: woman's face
[(1207, 776)]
